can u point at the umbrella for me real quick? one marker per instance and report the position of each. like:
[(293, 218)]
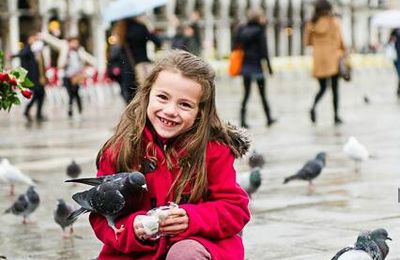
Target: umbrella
[(120, 9), (387, 19)]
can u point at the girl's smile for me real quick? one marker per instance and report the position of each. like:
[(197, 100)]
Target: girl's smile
[(173, 103)]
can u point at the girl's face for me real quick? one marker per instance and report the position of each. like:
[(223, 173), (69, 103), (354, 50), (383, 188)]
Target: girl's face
[(173, 104)]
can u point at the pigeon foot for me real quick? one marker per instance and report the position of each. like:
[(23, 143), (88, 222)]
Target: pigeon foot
[(118, 230)]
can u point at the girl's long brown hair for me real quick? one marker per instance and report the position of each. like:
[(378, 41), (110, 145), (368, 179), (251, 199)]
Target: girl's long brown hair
[(128, 137)]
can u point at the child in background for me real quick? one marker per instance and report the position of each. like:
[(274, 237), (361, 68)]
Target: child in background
[(171, 132)]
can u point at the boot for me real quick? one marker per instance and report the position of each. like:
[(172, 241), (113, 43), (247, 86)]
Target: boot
[(338, 121), (312, 115), (398, 90), (243, 118)]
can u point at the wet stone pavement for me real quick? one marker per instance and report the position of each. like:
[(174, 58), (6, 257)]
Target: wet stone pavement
[(286, 222)]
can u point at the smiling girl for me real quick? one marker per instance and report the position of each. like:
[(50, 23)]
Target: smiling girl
[(171, 132)]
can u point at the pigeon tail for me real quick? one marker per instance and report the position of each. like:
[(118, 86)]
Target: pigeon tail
[(76, 213), (290, 178)]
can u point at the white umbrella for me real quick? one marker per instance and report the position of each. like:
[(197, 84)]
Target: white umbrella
[(387, 19), (120, 9)]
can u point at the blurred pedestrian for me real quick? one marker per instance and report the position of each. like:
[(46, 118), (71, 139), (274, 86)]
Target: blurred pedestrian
[(252, 38), (324, 35), (134, 36), (395, 39), (194, 25), (74, 74), (184, 39), (32, 60)]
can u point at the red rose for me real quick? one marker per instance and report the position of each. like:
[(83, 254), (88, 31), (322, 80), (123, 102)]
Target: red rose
[(27, 93), (4, 77), (13, 82)]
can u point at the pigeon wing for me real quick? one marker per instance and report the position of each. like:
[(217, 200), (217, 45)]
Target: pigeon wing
[(108, 203), (310, 170)]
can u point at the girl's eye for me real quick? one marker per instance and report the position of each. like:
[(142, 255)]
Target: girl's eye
[(161, 96), (186, 105)]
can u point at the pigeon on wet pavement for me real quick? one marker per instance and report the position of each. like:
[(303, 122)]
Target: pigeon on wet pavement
[(309, 171), (112, 196), (61, 214), (256, 160), (369, 246), (356, 151), (73, 170), (12, 175), (25, 204), (250, 181)]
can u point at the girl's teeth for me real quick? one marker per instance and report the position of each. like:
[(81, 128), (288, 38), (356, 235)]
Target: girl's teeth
[(168, 123)]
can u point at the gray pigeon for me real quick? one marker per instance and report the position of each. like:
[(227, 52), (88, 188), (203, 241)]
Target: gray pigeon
[(112, 196), (379, 236), (256, 160), (73, 170), (366, 247), (25, 204), (309, 171), (61, 214), (250, 181)]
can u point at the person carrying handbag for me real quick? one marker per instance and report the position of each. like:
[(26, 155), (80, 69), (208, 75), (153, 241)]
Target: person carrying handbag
[(324, 35), (252, 38)]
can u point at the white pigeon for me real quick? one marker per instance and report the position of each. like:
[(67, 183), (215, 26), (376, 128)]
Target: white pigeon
[(356, 151), (12, 175)]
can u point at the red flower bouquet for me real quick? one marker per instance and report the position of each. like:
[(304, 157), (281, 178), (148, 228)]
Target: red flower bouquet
[(11, 84)]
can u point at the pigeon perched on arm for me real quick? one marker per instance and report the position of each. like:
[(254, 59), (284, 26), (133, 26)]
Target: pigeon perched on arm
[(73, 170), (61, 214), (309, 171), (366, 247), (256, 160), (112, 196), (25, 204), (356, 151), (250, 181), (12, 175)]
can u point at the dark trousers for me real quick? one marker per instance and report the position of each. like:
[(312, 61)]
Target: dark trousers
[(261, 89), (38, 98), (323, 84), (73, 94)]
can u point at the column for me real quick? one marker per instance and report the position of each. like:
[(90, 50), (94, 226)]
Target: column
[(223, 30), (14, 30), (209, 30)]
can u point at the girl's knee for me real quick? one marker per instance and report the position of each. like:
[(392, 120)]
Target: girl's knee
[(188, 249)]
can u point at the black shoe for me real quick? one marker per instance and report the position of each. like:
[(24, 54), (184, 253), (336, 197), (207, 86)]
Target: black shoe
[(244, 125), (271, 122), (41, 119), (338, 121), (312, 116), (28, 117)]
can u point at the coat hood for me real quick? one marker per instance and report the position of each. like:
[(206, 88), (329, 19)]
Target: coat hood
[(323, 25), (239, 140)]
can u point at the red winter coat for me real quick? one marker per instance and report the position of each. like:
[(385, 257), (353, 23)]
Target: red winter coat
[(214, 223)]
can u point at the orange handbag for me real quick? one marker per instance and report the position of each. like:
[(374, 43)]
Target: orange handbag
[(235, 62)]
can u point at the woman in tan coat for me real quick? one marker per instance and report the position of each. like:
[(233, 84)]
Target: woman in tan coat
[(324, 35)]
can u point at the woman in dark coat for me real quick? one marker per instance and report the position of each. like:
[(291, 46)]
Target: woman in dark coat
[(134, 35), (252, 38)]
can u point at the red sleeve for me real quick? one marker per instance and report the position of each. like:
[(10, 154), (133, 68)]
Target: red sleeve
[(127, 241), (226, 211)]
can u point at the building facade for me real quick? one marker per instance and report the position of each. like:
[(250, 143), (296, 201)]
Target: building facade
[(219, 18)]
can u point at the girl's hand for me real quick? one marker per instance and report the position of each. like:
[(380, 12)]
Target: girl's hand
[(138, 228), (175, 223)]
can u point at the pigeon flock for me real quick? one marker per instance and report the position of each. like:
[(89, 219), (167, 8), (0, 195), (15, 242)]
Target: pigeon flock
[(117, 195)]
